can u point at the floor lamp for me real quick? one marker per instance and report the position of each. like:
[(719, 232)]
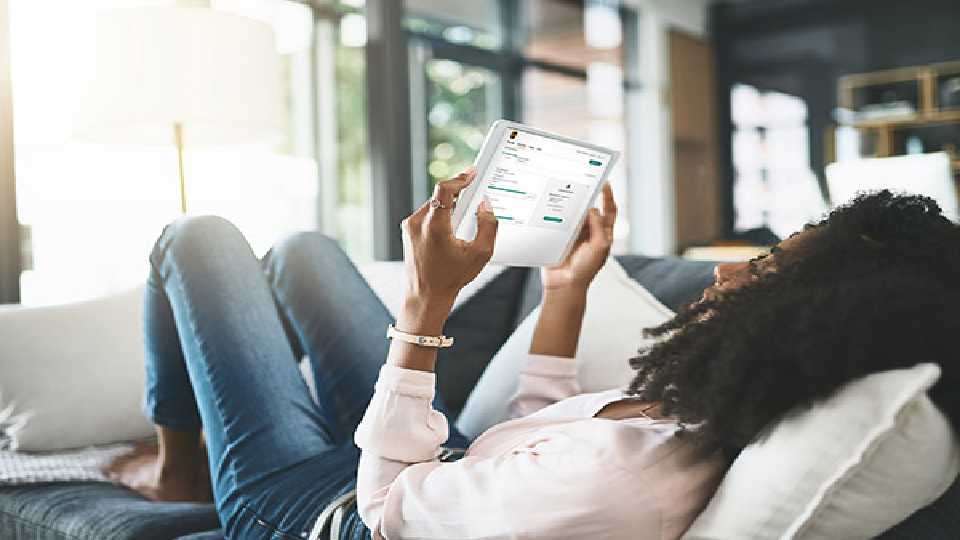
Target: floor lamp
[(183, 75)]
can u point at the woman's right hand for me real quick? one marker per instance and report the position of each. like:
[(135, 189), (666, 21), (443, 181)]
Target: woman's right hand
[(439, 264)]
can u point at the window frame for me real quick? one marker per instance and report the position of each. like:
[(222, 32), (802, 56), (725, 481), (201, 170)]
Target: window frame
[(11, 241)]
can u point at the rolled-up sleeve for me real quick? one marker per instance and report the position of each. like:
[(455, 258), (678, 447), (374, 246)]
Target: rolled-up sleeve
[(400, 423), (544, 380), (399, 428)]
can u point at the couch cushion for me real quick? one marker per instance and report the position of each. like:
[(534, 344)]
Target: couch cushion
[(96, 511), (74, 373), (673, 281), (481, 324)]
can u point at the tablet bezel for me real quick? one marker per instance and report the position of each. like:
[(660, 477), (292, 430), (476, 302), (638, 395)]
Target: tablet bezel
[(490, 145)]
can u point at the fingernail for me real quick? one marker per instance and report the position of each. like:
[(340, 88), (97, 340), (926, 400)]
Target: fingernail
[(485, 206)]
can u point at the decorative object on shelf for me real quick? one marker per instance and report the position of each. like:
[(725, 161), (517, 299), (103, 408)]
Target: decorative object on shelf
[(950, 92), (181, 74), (883, 95)]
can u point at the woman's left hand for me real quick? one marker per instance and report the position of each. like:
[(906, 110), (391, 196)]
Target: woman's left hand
[(590, 251)]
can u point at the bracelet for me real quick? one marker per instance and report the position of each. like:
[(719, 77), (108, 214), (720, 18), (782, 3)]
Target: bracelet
[(423, 341)]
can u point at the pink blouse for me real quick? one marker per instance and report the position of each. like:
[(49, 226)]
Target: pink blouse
[(554, 472)]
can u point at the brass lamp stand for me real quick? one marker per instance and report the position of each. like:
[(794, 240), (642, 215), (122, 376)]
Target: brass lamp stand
[(178, 141)]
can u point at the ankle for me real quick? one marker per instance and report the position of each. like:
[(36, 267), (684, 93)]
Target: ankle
[(179, 467), (180, 455)]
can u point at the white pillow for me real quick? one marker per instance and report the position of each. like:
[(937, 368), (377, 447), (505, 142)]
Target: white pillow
[(618, 309), (72, 375), (850, 467)]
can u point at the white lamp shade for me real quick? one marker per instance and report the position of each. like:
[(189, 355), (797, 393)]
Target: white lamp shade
[(215, 73)]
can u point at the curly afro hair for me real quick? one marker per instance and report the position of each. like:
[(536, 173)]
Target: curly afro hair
[(875, 286)]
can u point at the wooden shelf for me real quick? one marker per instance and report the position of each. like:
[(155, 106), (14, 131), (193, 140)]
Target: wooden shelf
[(884, 134), (914, 120)]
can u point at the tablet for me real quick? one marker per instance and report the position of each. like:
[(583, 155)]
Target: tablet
[(540, 185)]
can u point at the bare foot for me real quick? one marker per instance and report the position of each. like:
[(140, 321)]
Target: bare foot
[(140, 471)]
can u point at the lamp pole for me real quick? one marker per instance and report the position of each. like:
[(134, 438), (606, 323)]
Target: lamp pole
[(178, 141)]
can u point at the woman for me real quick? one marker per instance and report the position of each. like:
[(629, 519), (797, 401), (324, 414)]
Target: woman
[(871, 288)]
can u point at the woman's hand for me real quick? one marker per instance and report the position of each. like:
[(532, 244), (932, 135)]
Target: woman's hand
[(589, 252), (565, 285), (439, 264)]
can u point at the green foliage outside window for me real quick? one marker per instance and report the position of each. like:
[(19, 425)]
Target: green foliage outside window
[(351, 125), (462, 103)]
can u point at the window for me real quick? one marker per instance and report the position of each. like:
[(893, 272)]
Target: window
[(346, 207), (774, 186)]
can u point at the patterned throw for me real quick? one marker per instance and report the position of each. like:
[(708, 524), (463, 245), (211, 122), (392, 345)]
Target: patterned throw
[(69, 466)]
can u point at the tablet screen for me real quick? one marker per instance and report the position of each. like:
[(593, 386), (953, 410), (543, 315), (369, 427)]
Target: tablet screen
[(542, 185)]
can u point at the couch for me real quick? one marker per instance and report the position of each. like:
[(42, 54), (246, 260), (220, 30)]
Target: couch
[(61, 511)]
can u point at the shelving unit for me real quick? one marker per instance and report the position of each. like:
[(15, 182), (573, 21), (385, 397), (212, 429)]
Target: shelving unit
[(916, 106)]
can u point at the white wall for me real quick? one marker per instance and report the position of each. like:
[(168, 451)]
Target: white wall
[(652, 193)]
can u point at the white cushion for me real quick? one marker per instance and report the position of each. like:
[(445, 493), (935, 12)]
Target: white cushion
[(850, 467), (618, 309), (73, 374)]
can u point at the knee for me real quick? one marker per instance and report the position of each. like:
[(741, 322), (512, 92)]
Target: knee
[(311, 244), (203, 229), (197, 233), (312, 248)]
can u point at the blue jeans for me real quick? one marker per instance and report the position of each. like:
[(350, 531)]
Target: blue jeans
[(224, 334)]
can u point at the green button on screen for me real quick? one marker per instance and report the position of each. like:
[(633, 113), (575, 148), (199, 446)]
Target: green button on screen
[(553, 219), (595, 162)]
